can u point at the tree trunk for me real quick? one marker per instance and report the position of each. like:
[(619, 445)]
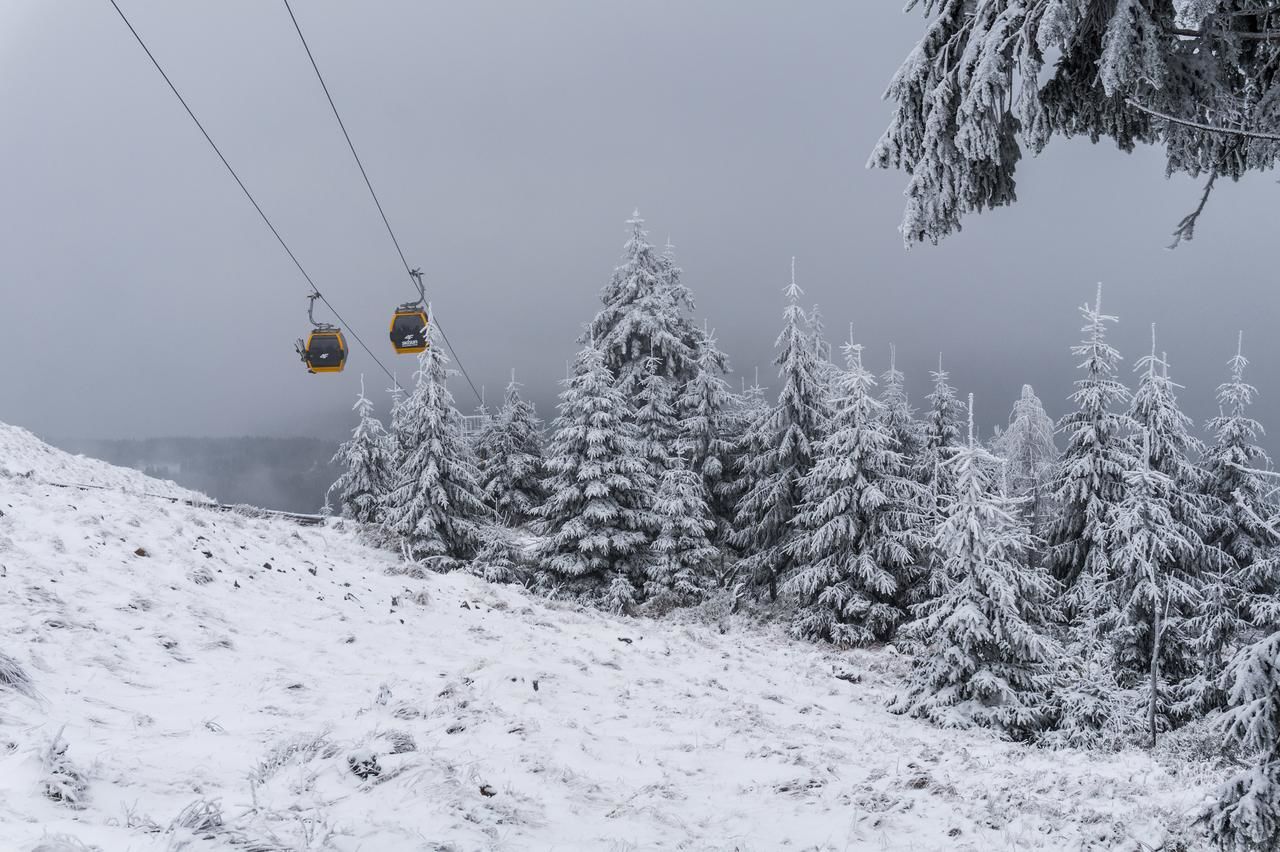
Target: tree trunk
[(1155, 668)]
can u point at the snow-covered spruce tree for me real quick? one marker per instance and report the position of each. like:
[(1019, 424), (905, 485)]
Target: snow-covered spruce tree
[(511, 467), (745, 409), (657, 424), (1233, 466), (1170, 449), (479, 438), (1031, 455), (366, 462), (597, 515), (704, 438), (828, 370), (1246, 815), (496, 561), (784, 442), (899, 416), (682, 557), (1088, 483), (943, 423), (909, 438), (1150, 549), (1193, 75), (982, 656), (942, 441), (859, 523), (435, 504), (1240, 503), (645, 314), (396, 422)]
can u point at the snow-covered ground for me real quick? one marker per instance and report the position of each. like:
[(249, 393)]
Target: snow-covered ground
[(212, 675)]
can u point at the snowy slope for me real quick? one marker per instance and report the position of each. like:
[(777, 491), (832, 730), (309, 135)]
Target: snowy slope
[(224, 668), (23, 454)]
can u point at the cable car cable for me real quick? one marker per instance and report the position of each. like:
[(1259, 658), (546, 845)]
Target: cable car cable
[(248, 194), (390, 232)]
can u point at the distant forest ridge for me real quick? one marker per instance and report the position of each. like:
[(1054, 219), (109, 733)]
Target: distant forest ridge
[(291, 474)]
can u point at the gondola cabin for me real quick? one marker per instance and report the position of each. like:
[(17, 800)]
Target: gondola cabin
[(409, 331), (325, 351)]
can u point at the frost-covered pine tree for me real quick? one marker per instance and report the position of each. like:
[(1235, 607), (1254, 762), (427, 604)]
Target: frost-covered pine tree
[(704, 432), (1193, 77), (436, 503), (645, 314), (859, 523), (943, 424), (657, 424), (1233, 466), (1170, 448), (366, 461), (1246, 815), (597, 515), (511, 467), (828, 370), (1234, 480), (1153, 593), (396, 422), (1174, 447), (1088, 483), (745, 409), (682, 557), (1030, 454), (982, 656), (899, 416), (783, 441)]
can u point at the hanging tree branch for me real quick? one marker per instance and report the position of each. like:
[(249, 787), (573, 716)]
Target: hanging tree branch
[(1199, 125), (1187, 227)]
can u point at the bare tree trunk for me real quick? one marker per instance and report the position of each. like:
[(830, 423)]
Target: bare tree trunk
[(1155, 668)]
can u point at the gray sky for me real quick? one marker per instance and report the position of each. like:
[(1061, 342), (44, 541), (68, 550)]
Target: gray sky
[(141, 296)]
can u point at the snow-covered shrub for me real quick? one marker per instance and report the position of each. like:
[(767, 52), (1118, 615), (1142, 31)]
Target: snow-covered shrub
[(297, 749), (62, 780), (14, 676), (63, 843), (400, 741), (201, 575), (496, 562), (621, 596), (202, 818)]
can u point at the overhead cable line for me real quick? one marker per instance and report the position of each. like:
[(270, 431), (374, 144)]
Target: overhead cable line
[(247, 194), (390, 232)]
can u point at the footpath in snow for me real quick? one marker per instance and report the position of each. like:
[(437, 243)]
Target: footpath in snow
[(206, 681)]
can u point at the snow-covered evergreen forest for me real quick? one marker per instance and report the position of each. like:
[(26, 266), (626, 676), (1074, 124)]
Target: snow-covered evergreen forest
[(1100, 582)]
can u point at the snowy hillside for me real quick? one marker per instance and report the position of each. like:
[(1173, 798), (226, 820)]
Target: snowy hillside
[(214, 678), (23, 454)]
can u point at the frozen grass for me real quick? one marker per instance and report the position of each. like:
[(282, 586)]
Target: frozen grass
[(63, 843), (14, 677), (63, 781)]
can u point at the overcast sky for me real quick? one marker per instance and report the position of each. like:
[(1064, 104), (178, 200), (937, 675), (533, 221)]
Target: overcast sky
[(141, 296)]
